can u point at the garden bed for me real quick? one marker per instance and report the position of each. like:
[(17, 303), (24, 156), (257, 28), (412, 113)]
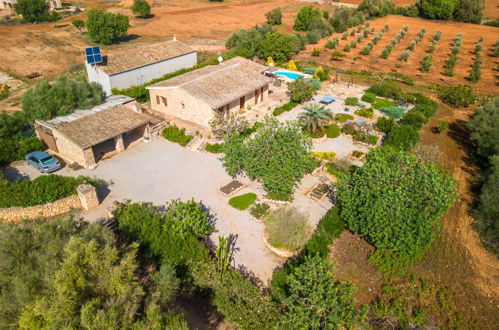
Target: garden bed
[(231, 188)]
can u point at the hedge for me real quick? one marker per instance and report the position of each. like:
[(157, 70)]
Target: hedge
[(242, 202), (44, 189), (284, 108), (177, 135)]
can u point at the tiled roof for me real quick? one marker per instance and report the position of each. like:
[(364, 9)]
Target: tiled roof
[(143, 55), (101, 126), (220, 84)]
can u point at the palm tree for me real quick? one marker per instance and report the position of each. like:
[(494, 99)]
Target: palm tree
[(314, 115)]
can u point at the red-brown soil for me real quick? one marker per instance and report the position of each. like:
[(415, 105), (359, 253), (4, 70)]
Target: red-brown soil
[(488, 84)]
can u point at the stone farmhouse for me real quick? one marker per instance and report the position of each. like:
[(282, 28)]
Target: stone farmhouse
[(139, 65), (198, 95), (9, 4), (86, 136)]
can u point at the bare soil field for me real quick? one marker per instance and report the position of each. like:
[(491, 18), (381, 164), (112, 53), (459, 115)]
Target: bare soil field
[(488, 85)]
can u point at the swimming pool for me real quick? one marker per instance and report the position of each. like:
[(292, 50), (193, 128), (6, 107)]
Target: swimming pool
[(290, 75)]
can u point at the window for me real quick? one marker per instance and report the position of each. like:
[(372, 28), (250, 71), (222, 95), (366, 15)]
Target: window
[(183, 105), (157, 99), (164, 100)]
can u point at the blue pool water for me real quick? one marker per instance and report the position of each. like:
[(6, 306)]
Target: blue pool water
[(290, 75)]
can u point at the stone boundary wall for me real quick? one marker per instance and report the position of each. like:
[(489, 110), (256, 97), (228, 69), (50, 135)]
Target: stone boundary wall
[(58, 207)]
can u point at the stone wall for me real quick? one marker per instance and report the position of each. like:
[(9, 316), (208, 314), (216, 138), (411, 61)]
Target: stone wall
[(85, 198), (58, 207)]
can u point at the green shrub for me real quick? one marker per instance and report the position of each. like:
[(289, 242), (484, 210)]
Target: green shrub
[(394, 112), (283, 108), (105, 27), (329, 155), (316, 52), (301, 90), (176, 135), (443, 125), (457, 96), (402, 137), (414, 118), (352, 101), (330, 226), (242, 202), (47, 100), (368, 97), (287, 228), (305, 17), (386, 51), (16, 147), (426, 63), (369, 139), (44, 189), (215, 148), (387, 89), (332, 131), (419, 194), (385, 124), (274, 17), (32, 10), (141, 8), (367, 113), (343, 117), (259, 210)]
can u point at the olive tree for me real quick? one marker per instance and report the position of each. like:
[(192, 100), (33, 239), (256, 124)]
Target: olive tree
[(104, 27)]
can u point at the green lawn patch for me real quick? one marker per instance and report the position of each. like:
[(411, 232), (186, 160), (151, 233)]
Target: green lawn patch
[(382, 103), (366, 113), (343, 117), (352, 101), (332, 131), (242, 202), (177, 135)]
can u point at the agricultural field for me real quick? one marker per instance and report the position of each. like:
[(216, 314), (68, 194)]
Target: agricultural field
[(471, 34)]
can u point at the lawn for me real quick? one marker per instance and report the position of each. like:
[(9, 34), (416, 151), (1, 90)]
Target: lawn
[(242, 202)]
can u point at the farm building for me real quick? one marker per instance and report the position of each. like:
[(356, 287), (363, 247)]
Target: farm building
[(140, 65), (85, 136), (198, 95), (9, 4)]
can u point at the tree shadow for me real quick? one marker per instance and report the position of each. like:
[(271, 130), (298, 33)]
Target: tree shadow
[(129, 37), (12, 174)]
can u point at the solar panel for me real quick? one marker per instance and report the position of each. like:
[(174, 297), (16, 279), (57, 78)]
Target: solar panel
[(93, 55)]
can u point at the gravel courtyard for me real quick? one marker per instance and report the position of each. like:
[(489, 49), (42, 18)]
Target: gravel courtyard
[(159, 171)]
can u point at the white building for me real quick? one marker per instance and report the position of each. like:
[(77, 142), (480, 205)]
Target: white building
[(140, 65)]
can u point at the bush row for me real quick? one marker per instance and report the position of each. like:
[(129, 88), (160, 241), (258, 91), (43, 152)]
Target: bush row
[(284, 108), (451, 61), (42, 190), (366, 50), (476, 70), (388, 48)]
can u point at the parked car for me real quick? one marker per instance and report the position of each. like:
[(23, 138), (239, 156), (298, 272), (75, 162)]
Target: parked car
[(43, 161)]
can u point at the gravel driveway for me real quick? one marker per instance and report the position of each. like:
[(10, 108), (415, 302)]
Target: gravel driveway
[(159, 171)]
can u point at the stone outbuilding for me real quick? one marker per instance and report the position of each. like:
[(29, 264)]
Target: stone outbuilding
[(140, 64), (86, 136), (198, 95)]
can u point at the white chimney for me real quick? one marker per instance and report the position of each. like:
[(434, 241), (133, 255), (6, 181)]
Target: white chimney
[(174, 37)]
